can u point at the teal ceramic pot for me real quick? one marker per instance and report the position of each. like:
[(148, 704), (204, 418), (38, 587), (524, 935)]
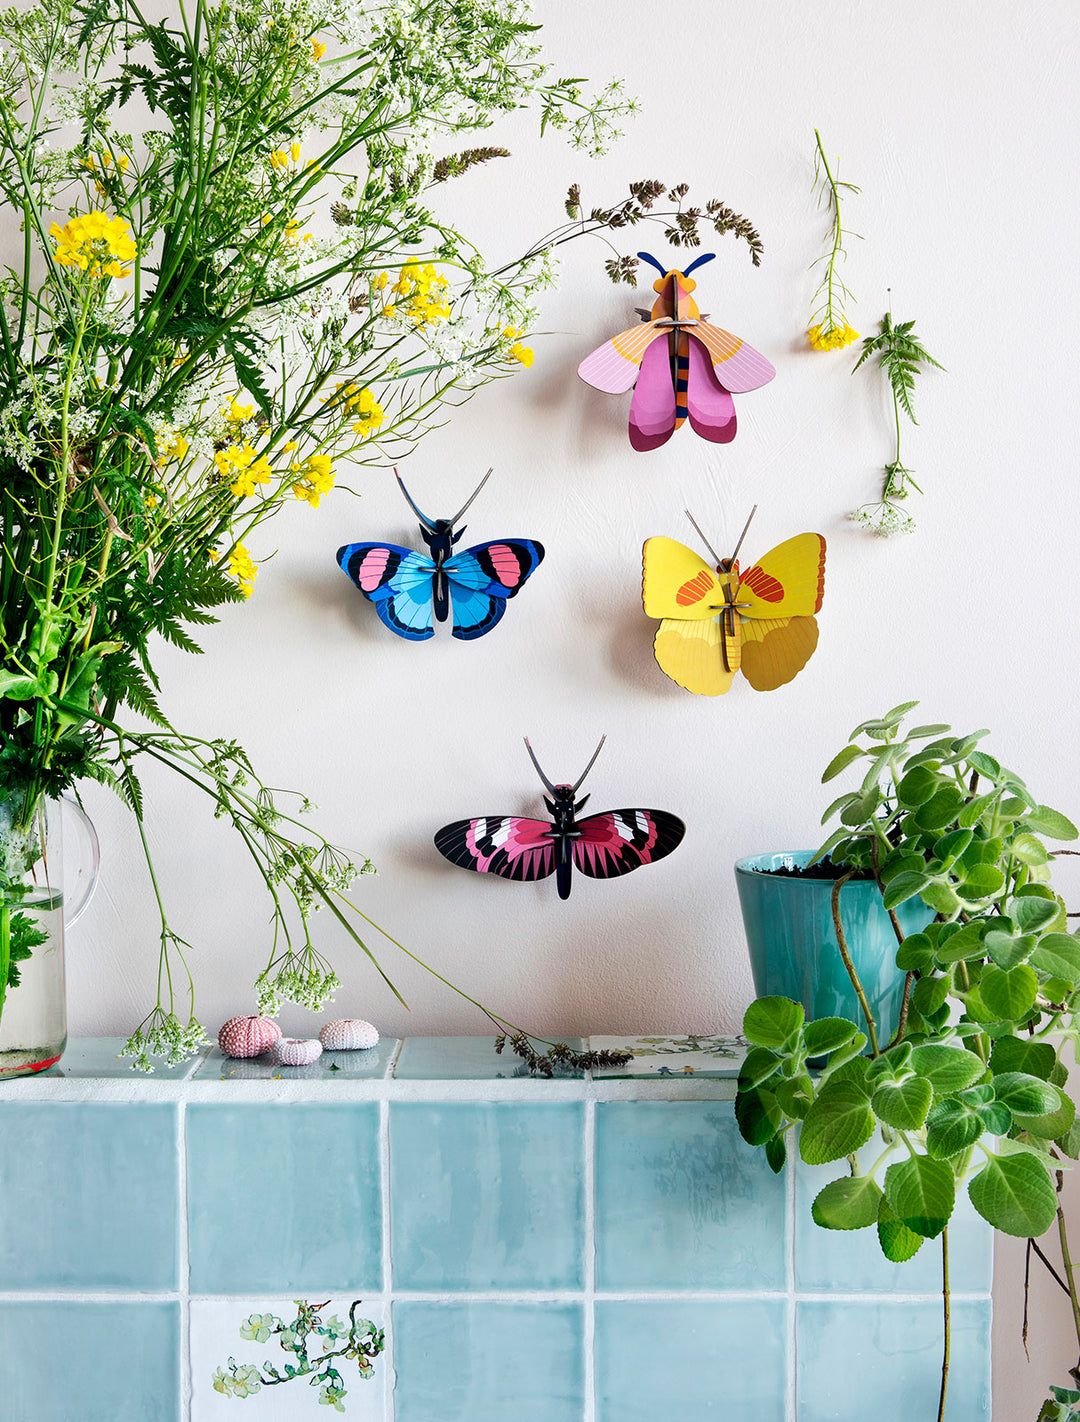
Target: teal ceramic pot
[(792, 941)]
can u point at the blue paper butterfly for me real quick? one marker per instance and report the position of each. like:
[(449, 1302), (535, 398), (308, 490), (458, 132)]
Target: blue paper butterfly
[(409, 589)]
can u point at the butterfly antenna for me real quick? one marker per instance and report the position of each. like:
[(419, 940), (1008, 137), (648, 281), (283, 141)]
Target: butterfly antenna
[(536, 763), (469, 500), (704, 540), (742, 535), (648, 257), (421, 516), (581, 778), (699, 262)]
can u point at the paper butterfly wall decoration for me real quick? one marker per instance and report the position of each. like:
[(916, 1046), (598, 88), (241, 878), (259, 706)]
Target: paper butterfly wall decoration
[(716, 621), (685, 368), (409, 588), (602, 846)]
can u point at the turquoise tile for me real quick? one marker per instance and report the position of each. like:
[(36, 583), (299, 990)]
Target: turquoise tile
[(487, 1195), (89, 1196), (850, 1261), (487, 1362), (890, 1352), (720, 1360), (100, 1057), (284, 1199), (95, 1362), (682, 1202), (464, 1059), (370, 1065)]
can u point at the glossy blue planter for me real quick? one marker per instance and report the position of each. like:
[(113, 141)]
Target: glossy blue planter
[(792, 941)]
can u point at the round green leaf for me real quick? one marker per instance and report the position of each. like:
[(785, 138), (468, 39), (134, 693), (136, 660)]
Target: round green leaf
[(841, 762), (839, 1122), (758, 1065), (915, 954), (1008, 949), (966, 943), (922, 1193), (758, 1116), (825, 1034), (1009, 992), (1051, 1124), (776, 1153), (1016, 1054), (929, 993), (1025, 1095), (898, 1243), (770, 1021), (940, 810), (1032, 915), (903, 1105), (1029, 850), (903, 887), (1015, 1195), (950, 1128), (947, 1069), (982, 881), (1059, 955), (916, 787), (849, 1203), (794, 1096), (950, 846), (941, 897)]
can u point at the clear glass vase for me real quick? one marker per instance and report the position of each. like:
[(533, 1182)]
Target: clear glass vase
[(42, 891)]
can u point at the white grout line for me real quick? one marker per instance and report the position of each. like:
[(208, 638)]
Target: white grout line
[(389, 1375), (792, 1359), (185, 1265), (77, 1296), (589, 1273)]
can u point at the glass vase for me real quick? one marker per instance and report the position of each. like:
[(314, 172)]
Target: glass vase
[(42, 892)]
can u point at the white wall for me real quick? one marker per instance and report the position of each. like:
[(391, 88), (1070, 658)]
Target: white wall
[(958, 122)]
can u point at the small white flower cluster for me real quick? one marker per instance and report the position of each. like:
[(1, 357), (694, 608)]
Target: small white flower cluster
[(164, 1035), (884, 519), (295, 980)]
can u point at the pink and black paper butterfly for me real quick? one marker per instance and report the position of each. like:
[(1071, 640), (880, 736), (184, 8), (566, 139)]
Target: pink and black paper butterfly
[(409, 589), (602, 846), (685, 368)]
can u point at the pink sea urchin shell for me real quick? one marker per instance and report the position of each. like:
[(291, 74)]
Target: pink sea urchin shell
[(248, 1036), (295, 1051), (348, 1034)]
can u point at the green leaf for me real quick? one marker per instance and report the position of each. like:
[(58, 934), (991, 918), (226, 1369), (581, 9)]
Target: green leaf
[(917, 787), (964, 944), (758, 1116), (997, 1119), (776, 1153), (929, 994), (1069, 1143), (898, 1243), (825, 1034), (1025, 1094), (903, 887), (18, 688), (950, 846), (1044, 820), (915, 954), (951, 1127), (1049, 1125), (1015, 1195), (940, 810), (839, 1122), (935, 729), (922, 1194), (897, 714), (947, 1069), (1032, 915), (795, 1096), (841, 762), (1009, 992), (974, 810), (1029, 850), (1009, 949), (851, 1202), (758, 1065), (904, 1104), (1015, 1054), (942, 898), (772, 1021), (1059, 955)]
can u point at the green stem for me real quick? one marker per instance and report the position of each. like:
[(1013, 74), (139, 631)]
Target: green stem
[(5, 951), (1067, 1261), (856, 983), (947, 1345)]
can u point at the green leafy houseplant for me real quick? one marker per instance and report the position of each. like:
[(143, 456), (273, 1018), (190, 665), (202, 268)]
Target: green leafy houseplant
[(969, 1093)]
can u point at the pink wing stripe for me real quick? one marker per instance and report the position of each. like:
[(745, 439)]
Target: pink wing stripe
[(606, 838), (709, 406), (609, 370), (652, 410), (746, 370), (518, 839), (372, 567), (507, 567)]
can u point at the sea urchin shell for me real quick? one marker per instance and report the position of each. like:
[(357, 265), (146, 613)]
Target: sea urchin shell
[(248, 1036), (348, 1034), (295, 1051)]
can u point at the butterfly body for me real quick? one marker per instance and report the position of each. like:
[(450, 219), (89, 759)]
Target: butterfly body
[(601, 846), (681, 365), (411, 590), (716, 620)]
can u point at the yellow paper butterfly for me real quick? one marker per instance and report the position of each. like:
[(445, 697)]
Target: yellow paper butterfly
[(713, 622)]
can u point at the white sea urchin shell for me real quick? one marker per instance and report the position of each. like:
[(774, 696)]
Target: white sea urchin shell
[(348, 1034), (295, 1051)]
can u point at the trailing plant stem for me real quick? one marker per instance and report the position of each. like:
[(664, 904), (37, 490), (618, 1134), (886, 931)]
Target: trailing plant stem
[(947, 1344), (856, 983)]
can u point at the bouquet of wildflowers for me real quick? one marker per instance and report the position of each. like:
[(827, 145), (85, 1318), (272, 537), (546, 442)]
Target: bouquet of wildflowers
[(229, 279)]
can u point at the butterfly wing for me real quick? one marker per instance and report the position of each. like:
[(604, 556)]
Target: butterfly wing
[(397, 581), (613, 367), (737, 365), (677, 582), (483, 577), (653, 413), (618, 841), (507, 845), (709, 406), (697, 655), (788, 582), (776, 650)]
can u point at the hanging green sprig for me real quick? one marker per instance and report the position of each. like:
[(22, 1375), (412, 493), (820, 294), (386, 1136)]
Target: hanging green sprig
[(902, 357), (829, 329)]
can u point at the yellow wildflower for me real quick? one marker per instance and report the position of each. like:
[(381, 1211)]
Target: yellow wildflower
[(832, 338), (317, 50), (316, 477), (243, 568), (522, 354), (279, 159), (362, 405), (290, 445), (236, 414), (295, 151), (244, 468), (511, 333), (96, 243), (389, 311), (174, 448), (380, 282)]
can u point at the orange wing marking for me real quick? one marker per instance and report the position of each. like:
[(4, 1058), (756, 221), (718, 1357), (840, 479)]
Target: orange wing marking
[(764, 585), (694, 589)]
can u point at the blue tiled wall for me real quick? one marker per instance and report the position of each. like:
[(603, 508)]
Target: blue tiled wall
[(534, 1250)]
